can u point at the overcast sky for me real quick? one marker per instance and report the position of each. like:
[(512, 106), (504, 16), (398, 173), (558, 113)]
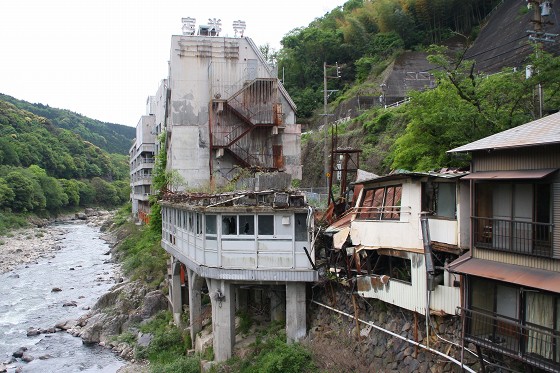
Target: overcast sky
[(102, 58)]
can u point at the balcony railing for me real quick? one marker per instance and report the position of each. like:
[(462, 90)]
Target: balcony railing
[(537, 346), (515, 236)]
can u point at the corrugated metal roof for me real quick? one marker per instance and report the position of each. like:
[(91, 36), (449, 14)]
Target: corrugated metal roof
[(538, 132), (510, 175), (403, 174), (515, 274)]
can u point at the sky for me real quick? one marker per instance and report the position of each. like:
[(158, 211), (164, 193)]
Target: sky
[(103, 58)]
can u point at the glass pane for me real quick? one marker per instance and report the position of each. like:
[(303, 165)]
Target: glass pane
[(191, 222), (377, 203), (247, 224), (211, 224), (198, 223), (266, 225), (300, 227), (229, 224), (445, 200)]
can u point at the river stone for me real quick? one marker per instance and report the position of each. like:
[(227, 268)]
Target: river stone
[(18, 370), (144, 339), (67, 324), (3, 368), (56, 290), (33, 331), (81, 216), (19, 352), (70, 304), (27, 358), (154, 302)]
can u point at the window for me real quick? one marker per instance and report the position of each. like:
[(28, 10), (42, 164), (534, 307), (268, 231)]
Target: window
[(211, 224), (266, 225), (439, 199), (198, 223), (300, 227), (247, 225), (382, 203), (514, 217), (229, 225)]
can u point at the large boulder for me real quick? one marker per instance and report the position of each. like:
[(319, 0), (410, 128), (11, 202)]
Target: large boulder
[(154, 302)]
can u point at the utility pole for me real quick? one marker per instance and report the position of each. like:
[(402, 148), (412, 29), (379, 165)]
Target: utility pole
[(327, 153), (541, 9)]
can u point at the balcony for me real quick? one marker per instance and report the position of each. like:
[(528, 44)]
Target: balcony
[(534, 345), (520, 237)]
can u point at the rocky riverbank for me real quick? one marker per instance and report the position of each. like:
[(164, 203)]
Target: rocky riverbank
[(26, 246), (126, 304)]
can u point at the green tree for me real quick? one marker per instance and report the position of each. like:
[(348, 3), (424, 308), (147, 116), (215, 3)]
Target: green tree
[(28, 195), (105, 193), (72, 191), (7, 195)]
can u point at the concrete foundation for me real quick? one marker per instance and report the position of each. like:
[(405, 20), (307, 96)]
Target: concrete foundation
[(222, 295), (295, 311), (175, 292), (195, 302)]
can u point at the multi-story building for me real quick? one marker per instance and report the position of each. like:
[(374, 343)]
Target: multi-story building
[(511, 275), (401, 231), (141, 165), (225, 110), (143, 151)]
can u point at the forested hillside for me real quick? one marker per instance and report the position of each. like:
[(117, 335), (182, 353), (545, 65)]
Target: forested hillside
[(363, 37), (113, 138), (44, 168), (463, 104)]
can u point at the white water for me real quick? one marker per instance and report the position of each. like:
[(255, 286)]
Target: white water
[(26, 300)]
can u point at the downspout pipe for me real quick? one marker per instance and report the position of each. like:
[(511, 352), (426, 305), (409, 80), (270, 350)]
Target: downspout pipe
[(453, 360)]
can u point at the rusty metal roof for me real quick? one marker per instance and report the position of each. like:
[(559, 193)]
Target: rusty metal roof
[(510, 175), (515, 274), (538, 132)]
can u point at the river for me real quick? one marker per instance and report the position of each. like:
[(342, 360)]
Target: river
[(81, 269)]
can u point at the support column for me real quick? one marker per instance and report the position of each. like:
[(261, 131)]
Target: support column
[(223, 317), (277, 296), (295, 311), (175, 292), (195, 303)]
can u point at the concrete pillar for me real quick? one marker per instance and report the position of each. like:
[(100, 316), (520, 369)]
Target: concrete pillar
[(195, 303), (241, 299), (277, 295), (175, 292), (223, 317), (295, 311)]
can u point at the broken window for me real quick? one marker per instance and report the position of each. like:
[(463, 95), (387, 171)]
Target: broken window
[(247, 225), (396, 267), (382, 203), (229, 224), (266, 225)]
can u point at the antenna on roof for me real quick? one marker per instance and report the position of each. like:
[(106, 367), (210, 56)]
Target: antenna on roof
[(188, 25)]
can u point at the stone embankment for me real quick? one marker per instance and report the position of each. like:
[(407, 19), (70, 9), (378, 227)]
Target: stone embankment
[(341, 345)]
